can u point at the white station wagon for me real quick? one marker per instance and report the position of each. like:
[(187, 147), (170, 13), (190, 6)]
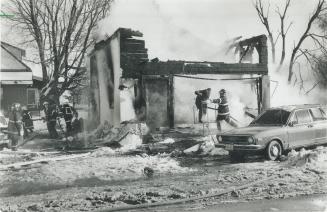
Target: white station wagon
[(276, 130)]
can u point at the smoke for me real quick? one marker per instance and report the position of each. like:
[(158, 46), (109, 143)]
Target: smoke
[(126, 105), (240, 94), (296, 92), (157, 92), (167, 30)]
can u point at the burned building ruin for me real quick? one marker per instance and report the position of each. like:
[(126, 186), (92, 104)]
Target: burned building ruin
[(123, 57)]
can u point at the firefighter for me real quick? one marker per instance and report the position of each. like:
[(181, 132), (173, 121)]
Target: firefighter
[(77, 124), (67, 113), (202, 97), (14, 125), (51, 114), (223, 110), (27, 121)]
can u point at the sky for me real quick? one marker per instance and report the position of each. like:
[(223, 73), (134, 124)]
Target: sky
[(194, 29), (191, 29)]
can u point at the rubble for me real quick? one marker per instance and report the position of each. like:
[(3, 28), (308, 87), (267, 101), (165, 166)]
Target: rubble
[(127, 136), (192, 150), (207, 147)]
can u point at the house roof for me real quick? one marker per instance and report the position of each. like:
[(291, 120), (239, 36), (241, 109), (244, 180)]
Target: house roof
[(12, 68), (7, 44), (10, 63)]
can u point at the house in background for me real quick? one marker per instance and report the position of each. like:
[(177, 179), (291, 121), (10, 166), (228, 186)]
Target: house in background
[(17, 82)]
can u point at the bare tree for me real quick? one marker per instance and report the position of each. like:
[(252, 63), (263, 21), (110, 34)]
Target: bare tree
[(296, 52), (61, 32), (264, 18), (283, 32)]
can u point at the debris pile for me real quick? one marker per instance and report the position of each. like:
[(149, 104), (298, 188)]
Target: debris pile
[(127, 136), (120, 198), (206, 148)]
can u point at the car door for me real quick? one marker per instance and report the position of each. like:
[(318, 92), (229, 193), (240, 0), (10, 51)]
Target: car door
[(319, 124), (301, 132)]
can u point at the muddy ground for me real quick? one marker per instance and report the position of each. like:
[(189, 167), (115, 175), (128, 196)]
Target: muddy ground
[(106, 178)]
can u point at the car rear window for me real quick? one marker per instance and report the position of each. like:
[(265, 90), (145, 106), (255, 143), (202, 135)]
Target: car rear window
[(317, 114), (302, 117)]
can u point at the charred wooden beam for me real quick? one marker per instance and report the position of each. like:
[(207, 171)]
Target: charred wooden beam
[(130, 46), (181, 67), (260, 43), (171, 101), (254, 40), (128, 33)]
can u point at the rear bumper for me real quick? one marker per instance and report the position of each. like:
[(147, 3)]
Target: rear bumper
[(239, 147)]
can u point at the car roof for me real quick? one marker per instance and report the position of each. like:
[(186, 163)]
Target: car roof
[(293, 107)]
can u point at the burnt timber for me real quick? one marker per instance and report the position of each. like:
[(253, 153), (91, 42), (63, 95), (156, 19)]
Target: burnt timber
[(135, 62)]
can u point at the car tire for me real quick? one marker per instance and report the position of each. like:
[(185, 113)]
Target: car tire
[(236, 157), (274, 150)]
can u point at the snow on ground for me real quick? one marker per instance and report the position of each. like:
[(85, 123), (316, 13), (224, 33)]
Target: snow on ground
[(102, 165), (122, 181), (316, 158)]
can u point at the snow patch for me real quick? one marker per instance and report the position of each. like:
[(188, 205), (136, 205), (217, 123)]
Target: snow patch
[(131, 141), (167, 141), (316, 158)]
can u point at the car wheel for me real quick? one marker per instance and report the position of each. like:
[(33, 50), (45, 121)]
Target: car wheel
[(236, 157), (274, 150)]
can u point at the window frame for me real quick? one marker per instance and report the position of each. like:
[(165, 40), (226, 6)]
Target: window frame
[(324, 118), (299, 124), (35, 97)]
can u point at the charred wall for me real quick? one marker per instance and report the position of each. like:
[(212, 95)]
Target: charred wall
[(105, 74)]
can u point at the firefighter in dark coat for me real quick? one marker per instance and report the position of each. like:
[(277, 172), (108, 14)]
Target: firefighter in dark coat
[(202, 97), (51, 115), (67, 112), (27, 121), (223, 110), (77, 124), (14, 125)]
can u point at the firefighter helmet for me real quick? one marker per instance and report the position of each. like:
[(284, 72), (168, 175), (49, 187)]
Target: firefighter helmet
[(222, 91), (17, 106)]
